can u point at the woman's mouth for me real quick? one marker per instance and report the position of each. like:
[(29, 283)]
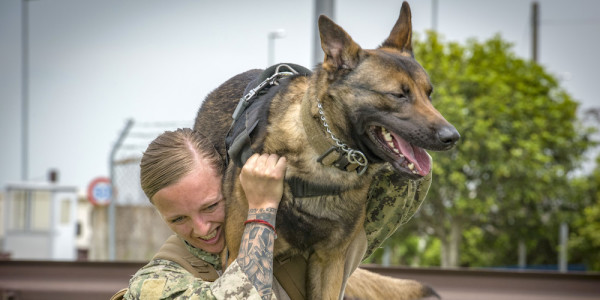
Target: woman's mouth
[(212, 237)]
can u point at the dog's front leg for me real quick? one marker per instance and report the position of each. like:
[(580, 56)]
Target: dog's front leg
[(236, 214), (325, 275)]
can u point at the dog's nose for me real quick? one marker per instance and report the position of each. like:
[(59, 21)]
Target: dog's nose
[(448, 135)]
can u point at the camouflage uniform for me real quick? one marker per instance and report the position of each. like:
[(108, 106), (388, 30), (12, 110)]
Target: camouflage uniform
[(392, 201), (164, 279)]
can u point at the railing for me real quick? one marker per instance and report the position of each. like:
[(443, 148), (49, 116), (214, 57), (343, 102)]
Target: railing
[(23, 280)]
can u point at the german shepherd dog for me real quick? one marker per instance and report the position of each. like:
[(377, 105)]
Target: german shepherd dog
[(372, 102)]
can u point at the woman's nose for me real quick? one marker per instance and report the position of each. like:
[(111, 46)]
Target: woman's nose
[(201, 226)]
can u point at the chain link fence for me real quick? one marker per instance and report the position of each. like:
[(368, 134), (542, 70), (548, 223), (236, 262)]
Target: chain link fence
[(126, 163), (139, 230)]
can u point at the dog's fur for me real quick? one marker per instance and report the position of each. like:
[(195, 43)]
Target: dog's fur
[(361, 92), (366, 285)]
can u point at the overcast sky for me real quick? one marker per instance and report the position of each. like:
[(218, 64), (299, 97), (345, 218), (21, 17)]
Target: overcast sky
[(96, 64)]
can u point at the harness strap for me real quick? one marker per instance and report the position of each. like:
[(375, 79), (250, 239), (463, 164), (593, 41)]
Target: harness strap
[(301, 188), (251, 114), (174, 250), (291, 275), (289, 271)]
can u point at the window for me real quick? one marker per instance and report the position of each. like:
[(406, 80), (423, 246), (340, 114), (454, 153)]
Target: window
[(65, 211), (40, 210), (30, 210), (18, 211)]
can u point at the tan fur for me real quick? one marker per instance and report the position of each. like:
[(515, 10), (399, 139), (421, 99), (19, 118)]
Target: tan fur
[(350, 84), (366, 285)]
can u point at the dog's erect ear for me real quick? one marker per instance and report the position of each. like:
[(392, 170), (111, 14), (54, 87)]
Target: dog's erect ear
[(341, 52), (401, 35)]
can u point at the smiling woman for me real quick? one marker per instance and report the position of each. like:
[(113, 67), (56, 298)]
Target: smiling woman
[(194, 208), (181, 175)]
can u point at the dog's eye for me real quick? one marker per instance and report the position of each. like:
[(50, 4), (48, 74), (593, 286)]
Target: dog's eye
[(400, 96)]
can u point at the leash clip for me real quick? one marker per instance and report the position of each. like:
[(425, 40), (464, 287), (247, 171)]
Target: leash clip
[(357, 157), (271, 81)]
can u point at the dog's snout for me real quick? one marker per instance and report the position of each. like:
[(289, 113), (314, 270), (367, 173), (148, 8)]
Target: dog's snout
[(448, 135)]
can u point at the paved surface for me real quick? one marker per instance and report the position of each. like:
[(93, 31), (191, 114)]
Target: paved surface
[(30, 280)]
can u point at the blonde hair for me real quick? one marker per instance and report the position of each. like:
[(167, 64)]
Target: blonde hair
[(172, 155)]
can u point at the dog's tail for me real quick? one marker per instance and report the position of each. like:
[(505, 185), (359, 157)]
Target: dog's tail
[(366, 285)]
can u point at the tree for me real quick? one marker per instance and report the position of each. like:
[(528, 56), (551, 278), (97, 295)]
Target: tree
[(584, 245), (520, 141)]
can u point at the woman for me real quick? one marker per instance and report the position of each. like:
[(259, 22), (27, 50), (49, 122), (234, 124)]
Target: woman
[(181, 175)]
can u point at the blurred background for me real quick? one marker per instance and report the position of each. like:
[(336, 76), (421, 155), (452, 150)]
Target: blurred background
[(86, 85)]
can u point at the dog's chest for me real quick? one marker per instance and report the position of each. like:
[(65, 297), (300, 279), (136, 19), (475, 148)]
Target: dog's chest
[(321, 221)]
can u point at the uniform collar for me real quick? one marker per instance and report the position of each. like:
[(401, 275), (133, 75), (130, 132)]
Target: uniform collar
[(213, 259)]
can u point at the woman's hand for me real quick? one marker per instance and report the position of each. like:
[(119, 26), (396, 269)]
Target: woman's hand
[(262, 180)]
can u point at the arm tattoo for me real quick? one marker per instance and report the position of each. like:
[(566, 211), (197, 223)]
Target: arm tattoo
[(256, 251)]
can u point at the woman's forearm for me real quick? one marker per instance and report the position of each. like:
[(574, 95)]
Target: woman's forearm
[(256, 250)]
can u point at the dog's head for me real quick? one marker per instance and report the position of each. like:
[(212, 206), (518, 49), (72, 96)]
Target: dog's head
[(382, 98)]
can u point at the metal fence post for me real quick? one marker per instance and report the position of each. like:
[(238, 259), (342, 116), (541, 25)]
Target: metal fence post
[(112, 205)]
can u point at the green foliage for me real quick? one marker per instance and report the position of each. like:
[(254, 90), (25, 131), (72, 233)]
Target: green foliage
[(508, 178), (409, 249), (584, 244)]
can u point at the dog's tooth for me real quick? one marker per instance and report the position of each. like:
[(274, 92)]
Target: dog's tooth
[(401, 155), (391, 144), (398, 151), (387, 136), (411, 166), (414, 172)]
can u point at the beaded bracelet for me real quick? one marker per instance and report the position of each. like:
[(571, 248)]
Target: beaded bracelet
[(262, 222)]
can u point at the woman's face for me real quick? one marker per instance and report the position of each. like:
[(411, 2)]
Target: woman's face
[(194, 209)]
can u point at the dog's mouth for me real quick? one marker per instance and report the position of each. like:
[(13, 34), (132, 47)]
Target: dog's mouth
[(401, 154)]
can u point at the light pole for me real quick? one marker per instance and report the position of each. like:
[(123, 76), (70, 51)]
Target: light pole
[(322, 7), (277, 34), (24, 90), (434, 15)]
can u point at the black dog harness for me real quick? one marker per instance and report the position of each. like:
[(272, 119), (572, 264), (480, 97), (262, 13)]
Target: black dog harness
[(247, 132), (248, 128)]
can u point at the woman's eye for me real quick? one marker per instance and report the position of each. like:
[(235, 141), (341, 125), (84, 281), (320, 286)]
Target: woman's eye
[(212, 206), (177, 220)]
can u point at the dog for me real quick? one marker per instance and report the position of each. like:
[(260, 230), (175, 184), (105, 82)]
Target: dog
[(359, 111)]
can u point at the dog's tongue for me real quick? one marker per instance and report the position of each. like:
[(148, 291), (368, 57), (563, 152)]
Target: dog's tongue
[(414, 154)]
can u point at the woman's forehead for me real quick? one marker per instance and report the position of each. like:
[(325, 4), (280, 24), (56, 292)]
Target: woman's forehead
[(195, 189)]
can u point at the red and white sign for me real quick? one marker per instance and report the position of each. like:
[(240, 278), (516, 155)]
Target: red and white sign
[(100, 191)]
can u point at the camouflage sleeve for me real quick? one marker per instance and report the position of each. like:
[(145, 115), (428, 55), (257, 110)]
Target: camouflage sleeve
[(392, 200), (164, 279)]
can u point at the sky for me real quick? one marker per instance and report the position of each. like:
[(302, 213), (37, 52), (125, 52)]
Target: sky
[(95, 64)]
